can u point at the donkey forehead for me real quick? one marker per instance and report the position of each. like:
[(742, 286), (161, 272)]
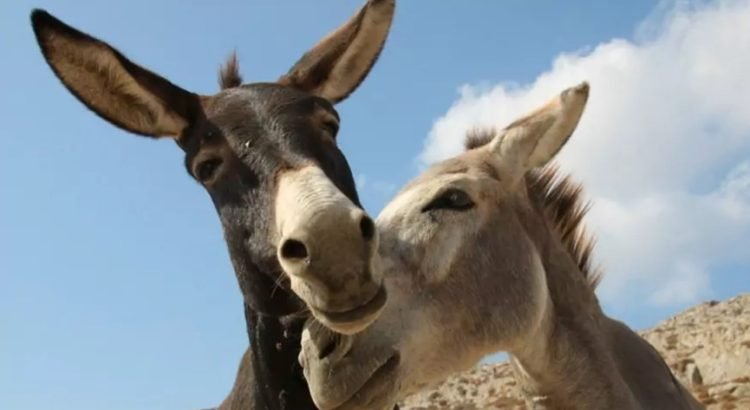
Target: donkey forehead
[(247, 115), (434, 181), (471, 166), (470, 171), (267, 101)]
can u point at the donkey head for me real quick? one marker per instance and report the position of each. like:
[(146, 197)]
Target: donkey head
[(266, 153), (463, 247)]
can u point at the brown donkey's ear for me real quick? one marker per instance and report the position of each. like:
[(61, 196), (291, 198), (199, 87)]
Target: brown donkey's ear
[(336, 66), (121, 92)]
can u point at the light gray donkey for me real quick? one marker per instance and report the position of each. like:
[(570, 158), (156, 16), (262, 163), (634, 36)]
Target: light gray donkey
[(486, 252)]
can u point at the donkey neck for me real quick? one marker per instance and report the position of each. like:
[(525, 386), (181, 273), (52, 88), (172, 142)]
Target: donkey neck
[(567, 361), (274, 317)]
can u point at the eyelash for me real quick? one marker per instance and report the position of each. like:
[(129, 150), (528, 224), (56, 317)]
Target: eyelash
[(206, 170), (332, 127), (452, 199)]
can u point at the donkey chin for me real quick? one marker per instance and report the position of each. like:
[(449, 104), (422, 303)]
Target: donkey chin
[(336, 384), (381, 390)]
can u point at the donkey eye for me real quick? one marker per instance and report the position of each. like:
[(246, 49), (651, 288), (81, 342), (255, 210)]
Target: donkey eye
[(452, 199), (332, 127), (207, 169)]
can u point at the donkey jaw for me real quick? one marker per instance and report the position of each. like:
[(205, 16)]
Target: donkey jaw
[(380, 392), (351, 321)]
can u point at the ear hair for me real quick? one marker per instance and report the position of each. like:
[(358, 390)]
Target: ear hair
[(336, 66), (118, 90)]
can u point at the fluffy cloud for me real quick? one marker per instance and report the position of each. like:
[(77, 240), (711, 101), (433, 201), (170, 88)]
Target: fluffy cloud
[(360, 180), (381, 188), (661, 148)]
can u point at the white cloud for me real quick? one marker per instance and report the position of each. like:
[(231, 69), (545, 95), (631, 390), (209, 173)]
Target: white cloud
[(384, 188), (381, 188), (660, 148), (360, 180)]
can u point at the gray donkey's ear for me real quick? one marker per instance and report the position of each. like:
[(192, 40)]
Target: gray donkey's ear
[(336, 66), (533, 140)]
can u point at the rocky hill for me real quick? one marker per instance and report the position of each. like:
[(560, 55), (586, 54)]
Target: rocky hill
[(708, 347)]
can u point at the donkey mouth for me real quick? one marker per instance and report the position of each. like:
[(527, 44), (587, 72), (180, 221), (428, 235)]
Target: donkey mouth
[(365, 310)]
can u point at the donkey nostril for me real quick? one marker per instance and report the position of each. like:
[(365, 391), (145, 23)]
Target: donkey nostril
[(293, 249), (367, 227)]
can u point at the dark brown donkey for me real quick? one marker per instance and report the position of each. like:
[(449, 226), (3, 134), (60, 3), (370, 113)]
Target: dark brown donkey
[(267, 155)]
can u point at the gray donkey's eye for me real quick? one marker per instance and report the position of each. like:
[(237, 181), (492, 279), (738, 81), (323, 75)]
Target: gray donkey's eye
[(452, 199)]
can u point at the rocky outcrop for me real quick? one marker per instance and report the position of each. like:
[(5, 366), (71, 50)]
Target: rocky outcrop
[(707, 346)]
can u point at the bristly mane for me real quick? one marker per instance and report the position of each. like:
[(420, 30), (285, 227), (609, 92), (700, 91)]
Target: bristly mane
[(562, 200), (478, 137), (229, 74)]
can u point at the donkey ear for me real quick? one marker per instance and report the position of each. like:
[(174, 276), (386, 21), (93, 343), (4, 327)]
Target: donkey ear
[(121, 92), (336, 66), (533, 140)]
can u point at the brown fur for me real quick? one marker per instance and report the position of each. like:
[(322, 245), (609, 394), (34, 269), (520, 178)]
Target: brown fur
[(246, 147), (229, 74), (478, 137), (562, 199)]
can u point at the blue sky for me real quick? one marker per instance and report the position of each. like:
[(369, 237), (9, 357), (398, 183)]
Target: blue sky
[(116, 290)]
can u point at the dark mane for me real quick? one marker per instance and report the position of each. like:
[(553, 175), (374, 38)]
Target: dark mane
[(562, 200), (478, 137), (229, 74)]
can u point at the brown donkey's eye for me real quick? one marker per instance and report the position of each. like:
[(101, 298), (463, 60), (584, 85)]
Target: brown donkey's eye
[(332, 127), (452, 199), (207, 169)]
